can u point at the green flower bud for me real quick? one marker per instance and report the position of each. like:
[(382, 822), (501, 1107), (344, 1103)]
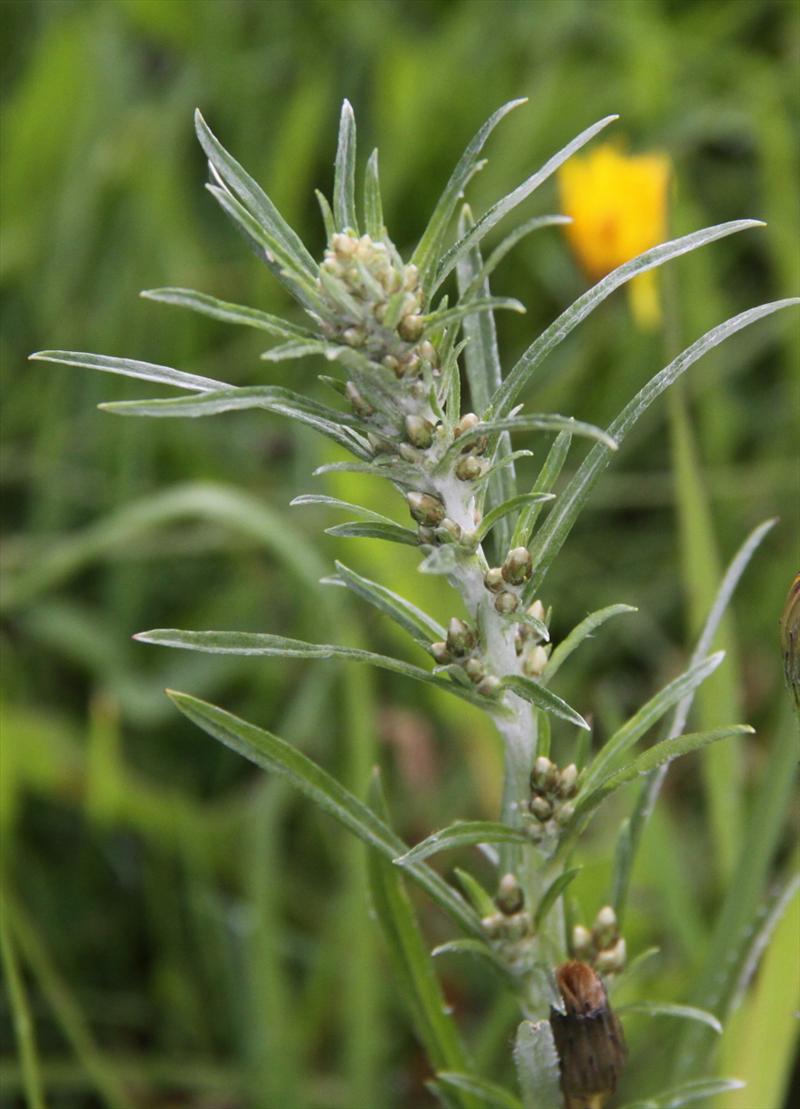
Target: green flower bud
[(490, 686), (354, 336), (605, 927), (612, 959), (391, 363), (466, 423), (460, 637), (425, 509), (536, 610), (411, 327), (493, 925), (564, 813), (518, 565), (441, 653), (427, 351), (510, 898), (519, 926), (448, 531), (469, 468), (419, 431), (475, 669), (567, 781), (506, 602), (541, 808), (534, 661), (543, 774), (359, 405), (582, 945), (493, 579)]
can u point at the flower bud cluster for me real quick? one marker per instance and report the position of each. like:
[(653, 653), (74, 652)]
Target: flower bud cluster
[(462, 647), (376, 302), (506, 581), (512, 923), (601, 945), (470, 465), (552, 791), (429, 513)]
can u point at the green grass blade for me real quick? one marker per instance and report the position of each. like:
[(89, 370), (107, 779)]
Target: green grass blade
[(344, 181), (561, 519), (130, 367), (522, 373), (463, 833), (412, 963), (502, 207), (278, 757), (24, 1027), (480, 1089), (223, 310), (427, 252)]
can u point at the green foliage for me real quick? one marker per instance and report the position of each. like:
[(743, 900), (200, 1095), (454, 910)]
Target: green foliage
[(234, 889)]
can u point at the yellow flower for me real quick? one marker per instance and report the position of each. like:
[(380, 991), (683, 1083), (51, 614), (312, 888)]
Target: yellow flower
[(618, 206)]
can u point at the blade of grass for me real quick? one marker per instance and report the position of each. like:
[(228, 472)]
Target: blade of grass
[(24, 1028)]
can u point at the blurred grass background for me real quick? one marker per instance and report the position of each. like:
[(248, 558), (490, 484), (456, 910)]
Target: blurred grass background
[(194, 935)]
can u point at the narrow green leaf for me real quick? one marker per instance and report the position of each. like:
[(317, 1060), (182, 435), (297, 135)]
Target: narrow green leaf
[(538, 1070), (392, 533), (501, 510), (488, 1093), (580, 632), (262, 644), (344, 181), (525, 367), (129, 367), (253, 197), (229, 313), (556, 888), (484, 373), (545, 481), (429, 246), (463, 833), (462, 311), (543, 698), (687, 1092), (664, 1009), (268, 249), (648, 715), (373, 207), (278, 757), (327, 215), (540, 422), (334, 502), (561, 519), (296, 348), (507, 244), (330, 422), (412, 963), (502, 207), (654, 757), (412, 619), (23, 1022), (476, 949), (478, 896)]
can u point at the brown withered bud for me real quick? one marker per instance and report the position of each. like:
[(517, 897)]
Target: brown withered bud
[(588, 1038)]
